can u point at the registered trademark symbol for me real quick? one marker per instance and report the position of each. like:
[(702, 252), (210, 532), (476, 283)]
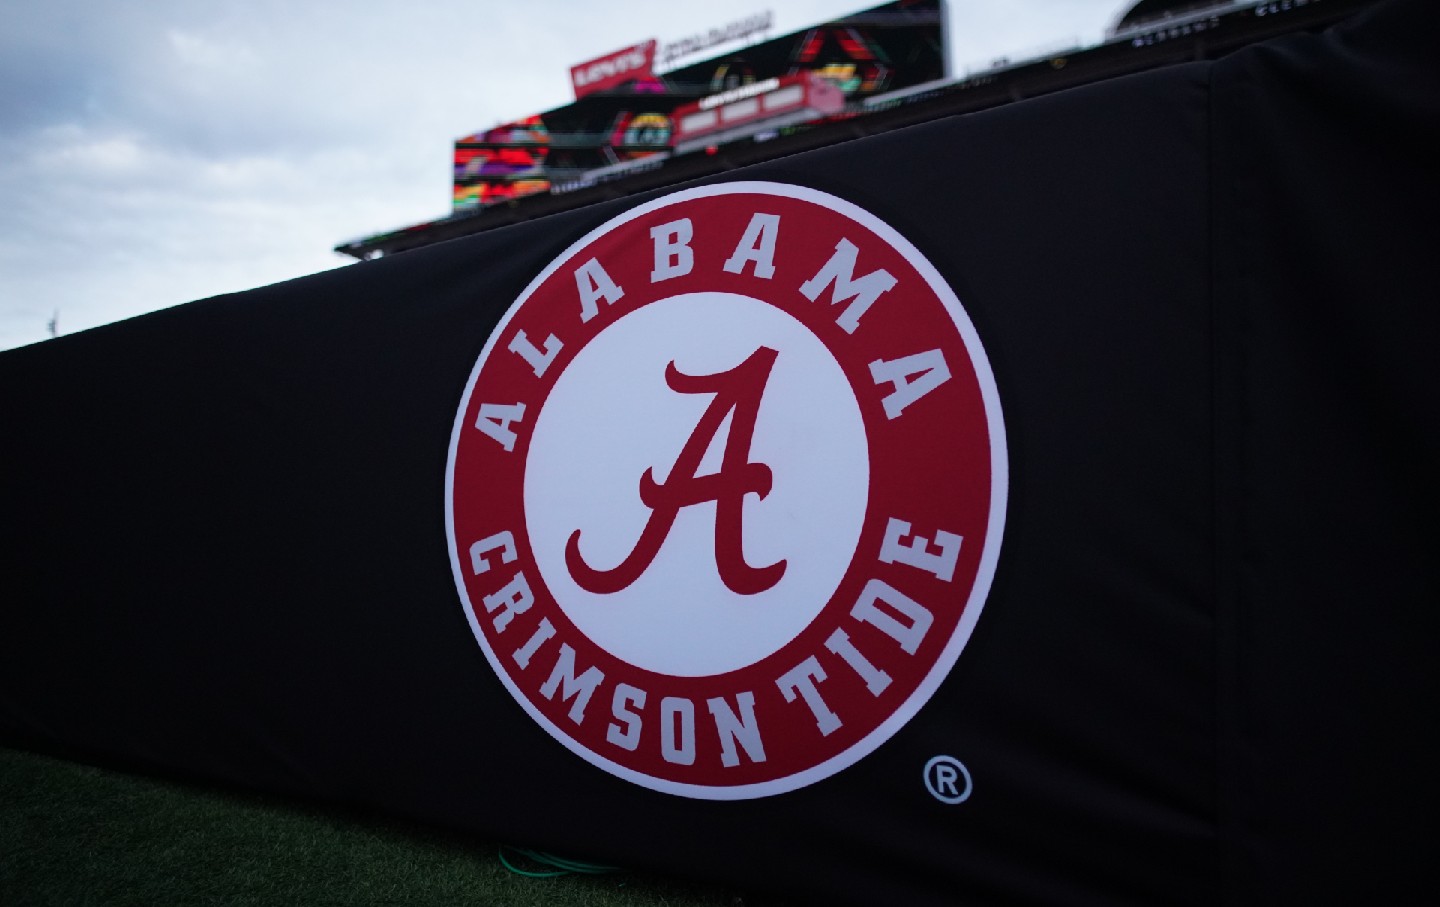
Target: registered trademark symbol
[(948, 780)]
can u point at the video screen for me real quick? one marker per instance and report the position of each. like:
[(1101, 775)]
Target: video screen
[(886, 48)]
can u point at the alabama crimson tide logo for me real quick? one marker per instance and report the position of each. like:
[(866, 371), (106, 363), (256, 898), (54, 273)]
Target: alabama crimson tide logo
[(726, 490)]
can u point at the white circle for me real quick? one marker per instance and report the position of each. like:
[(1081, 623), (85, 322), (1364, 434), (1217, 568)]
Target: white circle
[(611, 416)]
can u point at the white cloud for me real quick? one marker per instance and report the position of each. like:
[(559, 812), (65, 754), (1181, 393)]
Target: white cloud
[(208, 55), (157, 152)]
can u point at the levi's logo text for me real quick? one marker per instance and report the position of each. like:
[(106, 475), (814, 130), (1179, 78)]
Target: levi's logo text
[(726, 490)]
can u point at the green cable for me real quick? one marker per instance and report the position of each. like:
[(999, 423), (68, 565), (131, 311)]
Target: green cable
[(560, 865)]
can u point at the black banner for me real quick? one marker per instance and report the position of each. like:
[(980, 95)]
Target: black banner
[(1196, 305)]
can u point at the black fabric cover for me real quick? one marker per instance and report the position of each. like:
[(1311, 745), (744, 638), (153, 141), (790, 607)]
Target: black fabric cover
[(1204, 673)]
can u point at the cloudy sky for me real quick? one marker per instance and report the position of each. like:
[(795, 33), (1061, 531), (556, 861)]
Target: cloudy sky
[(158, 151)]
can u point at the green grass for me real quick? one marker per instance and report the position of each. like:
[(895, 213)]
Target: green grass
[(73, 834)]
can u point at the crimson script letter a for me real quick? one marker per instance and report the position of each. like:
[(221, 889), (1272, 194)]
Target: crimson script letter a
[(738, 392)]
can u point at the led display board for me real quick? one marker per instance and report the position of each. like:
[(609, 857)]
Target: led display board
[(613, 123)]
